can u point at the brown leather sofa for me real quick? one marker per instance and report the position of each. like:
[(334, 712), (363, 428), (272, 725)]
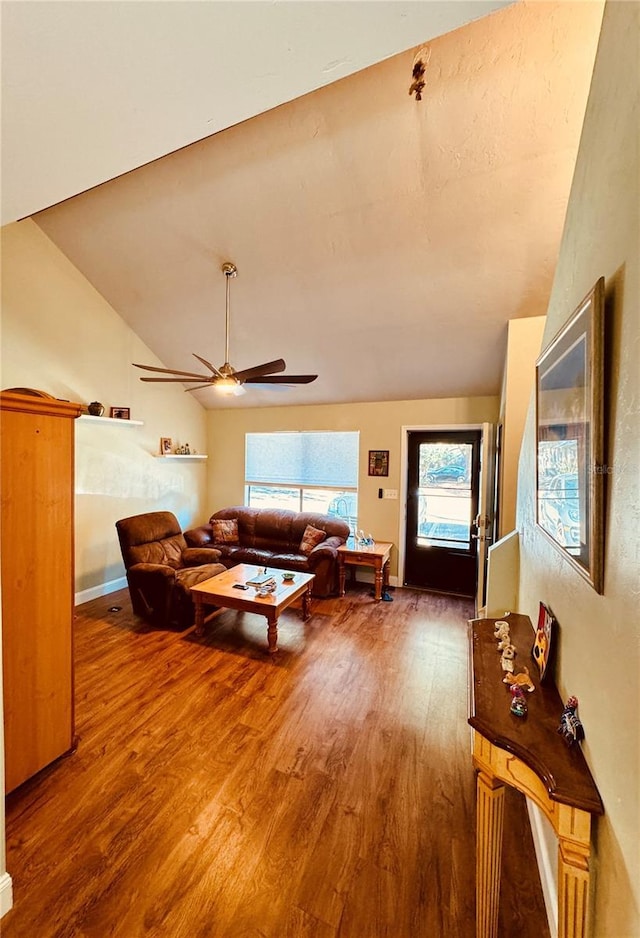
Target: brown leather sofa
[(162, 568), (272, 537)]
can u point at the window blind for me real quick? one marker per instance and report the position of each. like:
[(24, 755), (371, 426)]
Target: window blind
[(303, 458)]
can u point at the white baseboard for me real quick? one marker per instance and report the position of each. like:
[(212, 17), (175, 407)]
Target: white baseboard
[(6, 894), (94, 592), (547, 864)]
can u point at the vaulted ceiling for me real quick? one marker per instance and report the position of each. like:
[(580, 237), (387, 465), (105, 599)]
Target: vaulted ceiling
[(382, 242)]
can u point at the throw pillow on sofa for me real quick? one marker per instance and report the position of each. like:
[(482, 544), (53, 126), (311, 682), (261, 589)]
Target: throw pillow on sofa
[(225, 531), (311, 538)]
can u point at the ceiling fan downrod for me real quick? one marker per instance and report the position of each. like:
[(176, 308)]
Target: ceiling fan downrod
[(229, 270)]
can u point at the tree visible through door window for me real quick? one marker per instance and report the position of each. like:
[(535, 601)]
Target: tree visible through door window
[(444, 495)]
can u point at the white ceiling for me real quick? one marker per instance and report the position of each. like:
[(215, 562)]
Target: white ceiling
[(93, 89), (381, 242)]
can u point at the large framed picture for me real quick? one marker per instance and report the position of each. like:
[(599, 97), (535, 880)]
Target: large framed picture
[(570, 438)]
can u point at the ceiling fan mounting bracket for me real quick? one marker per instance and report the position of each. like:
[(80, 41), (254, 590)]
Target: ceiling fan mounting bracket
[(229, 269)]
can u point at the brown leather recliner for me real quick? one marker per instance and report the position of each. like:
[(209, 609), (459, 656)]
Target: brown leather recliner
[(161, 568)]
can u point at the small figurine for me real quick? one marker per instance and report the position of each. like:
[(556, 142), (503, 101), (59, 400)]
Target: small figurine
[(570, 726), (518, 703), (501, 631), (521, 680)]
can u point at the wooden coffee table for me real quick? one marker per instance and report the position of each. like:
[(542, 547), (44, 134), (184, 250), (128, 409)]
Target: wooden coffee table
[(220, 591)]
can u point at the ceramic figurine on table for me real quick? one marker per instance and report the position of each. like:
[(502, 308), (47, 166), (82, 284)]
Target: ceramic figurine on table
[(521, 679), (570, 726), (518, 703)]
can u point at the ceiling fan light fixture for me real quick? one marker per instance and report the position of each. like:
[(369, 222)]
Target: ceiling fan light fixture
[(229, 387)]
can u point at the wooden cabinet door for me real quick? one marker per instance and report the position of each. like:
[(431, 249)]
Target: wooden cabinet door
[(37, 588)]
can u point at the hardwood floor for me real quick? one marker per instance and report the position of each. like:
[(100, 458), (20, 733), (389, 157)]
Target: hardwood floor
[(216, 793)]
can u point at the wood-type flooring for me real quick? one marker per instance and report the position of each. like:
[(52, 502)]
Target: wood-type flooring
[(216, 793)]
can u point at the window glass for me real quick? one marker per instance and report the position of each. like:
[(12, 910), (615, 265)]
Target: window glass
[(444, 494)]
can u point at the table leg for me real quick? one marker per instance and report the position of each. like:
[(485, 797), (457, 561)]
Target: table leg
[(573, 888), (306, 603), (272, 632), (199, 615), (341, 575), (489, 824), (378, 588)]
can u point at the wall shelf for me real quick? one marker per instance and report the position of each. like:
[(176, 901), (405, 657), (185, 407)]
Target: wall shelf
[(181, 456), (112, 420)]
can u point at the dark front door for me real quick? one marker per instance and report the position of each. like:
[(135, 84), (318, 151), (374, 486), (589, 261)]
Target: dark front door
[(442, 502)]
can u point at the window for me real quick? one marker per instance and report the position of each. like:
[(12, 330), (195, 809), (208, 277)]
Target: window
[(304, 471), (445, 495)]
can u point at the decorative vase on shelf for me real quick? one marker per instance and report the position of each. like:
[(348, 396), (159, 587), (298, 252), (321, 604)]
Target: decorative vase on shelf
[(96, 409)]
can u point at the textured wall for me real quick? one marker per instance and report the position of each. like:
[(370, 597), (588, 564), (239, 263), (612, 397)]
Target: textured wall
[(59, 335), (600, 635)]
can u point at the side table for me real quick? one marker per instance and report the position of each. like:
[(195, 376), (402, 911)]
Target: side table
[(374, 555)]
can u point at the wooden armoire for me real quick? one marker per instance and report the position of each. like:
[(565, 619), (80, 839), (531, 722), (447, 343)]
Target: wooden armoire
[(37, 544)]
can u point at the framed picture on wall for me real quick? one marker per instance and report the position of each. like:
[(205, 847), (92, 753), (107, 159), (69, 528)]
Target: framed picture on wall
[(120, 413), (378, 462), (165, 445), (570, 438), (544, 642)]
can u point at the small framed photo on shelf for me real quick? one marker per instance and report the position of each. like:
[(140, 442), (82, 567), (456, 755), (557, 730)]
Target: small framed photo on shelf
[(543, 645), (120, 413), (378, 462), (165, 445)]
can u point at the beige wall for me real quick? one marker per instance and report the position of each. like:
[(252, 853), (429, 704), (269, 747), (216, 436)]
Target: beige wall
[(380, 428), (600, 635), (523, 348), (59, 335)]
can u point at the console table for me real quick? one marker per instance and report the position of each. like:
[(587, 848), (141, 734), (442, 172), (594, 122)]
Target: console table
[(528, 754)]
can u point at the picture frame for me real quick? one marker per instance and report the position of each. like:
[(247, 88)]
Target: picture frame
[(570, 439), (165, 445), (120, 413), (378, 462), (544, 642)]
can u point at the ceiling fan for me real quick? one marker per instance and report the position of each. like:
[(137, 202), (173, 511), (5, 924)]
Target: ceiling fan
[(226, 380)]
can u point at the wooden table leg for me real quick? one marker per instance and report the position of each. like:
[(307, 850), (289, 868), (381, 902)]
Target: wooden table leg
[(272, 632), (378, 588), (199, 617), (341, 575), (306, 603), (489, 824), (573, 887)]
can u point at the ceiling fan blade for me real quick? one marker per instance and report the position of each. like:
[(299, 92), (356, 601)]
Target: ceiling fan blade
[(182, 380), (282, 379), (169, 371), (208, 364), (267, 369)]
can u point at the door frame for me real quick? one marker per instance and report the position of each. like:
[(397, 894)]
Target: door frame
[(487, 436)]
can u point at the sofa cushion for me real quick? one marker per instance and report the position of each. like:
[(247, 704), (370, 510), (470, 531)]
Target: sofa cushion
[(225, 531), (310, 539)]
